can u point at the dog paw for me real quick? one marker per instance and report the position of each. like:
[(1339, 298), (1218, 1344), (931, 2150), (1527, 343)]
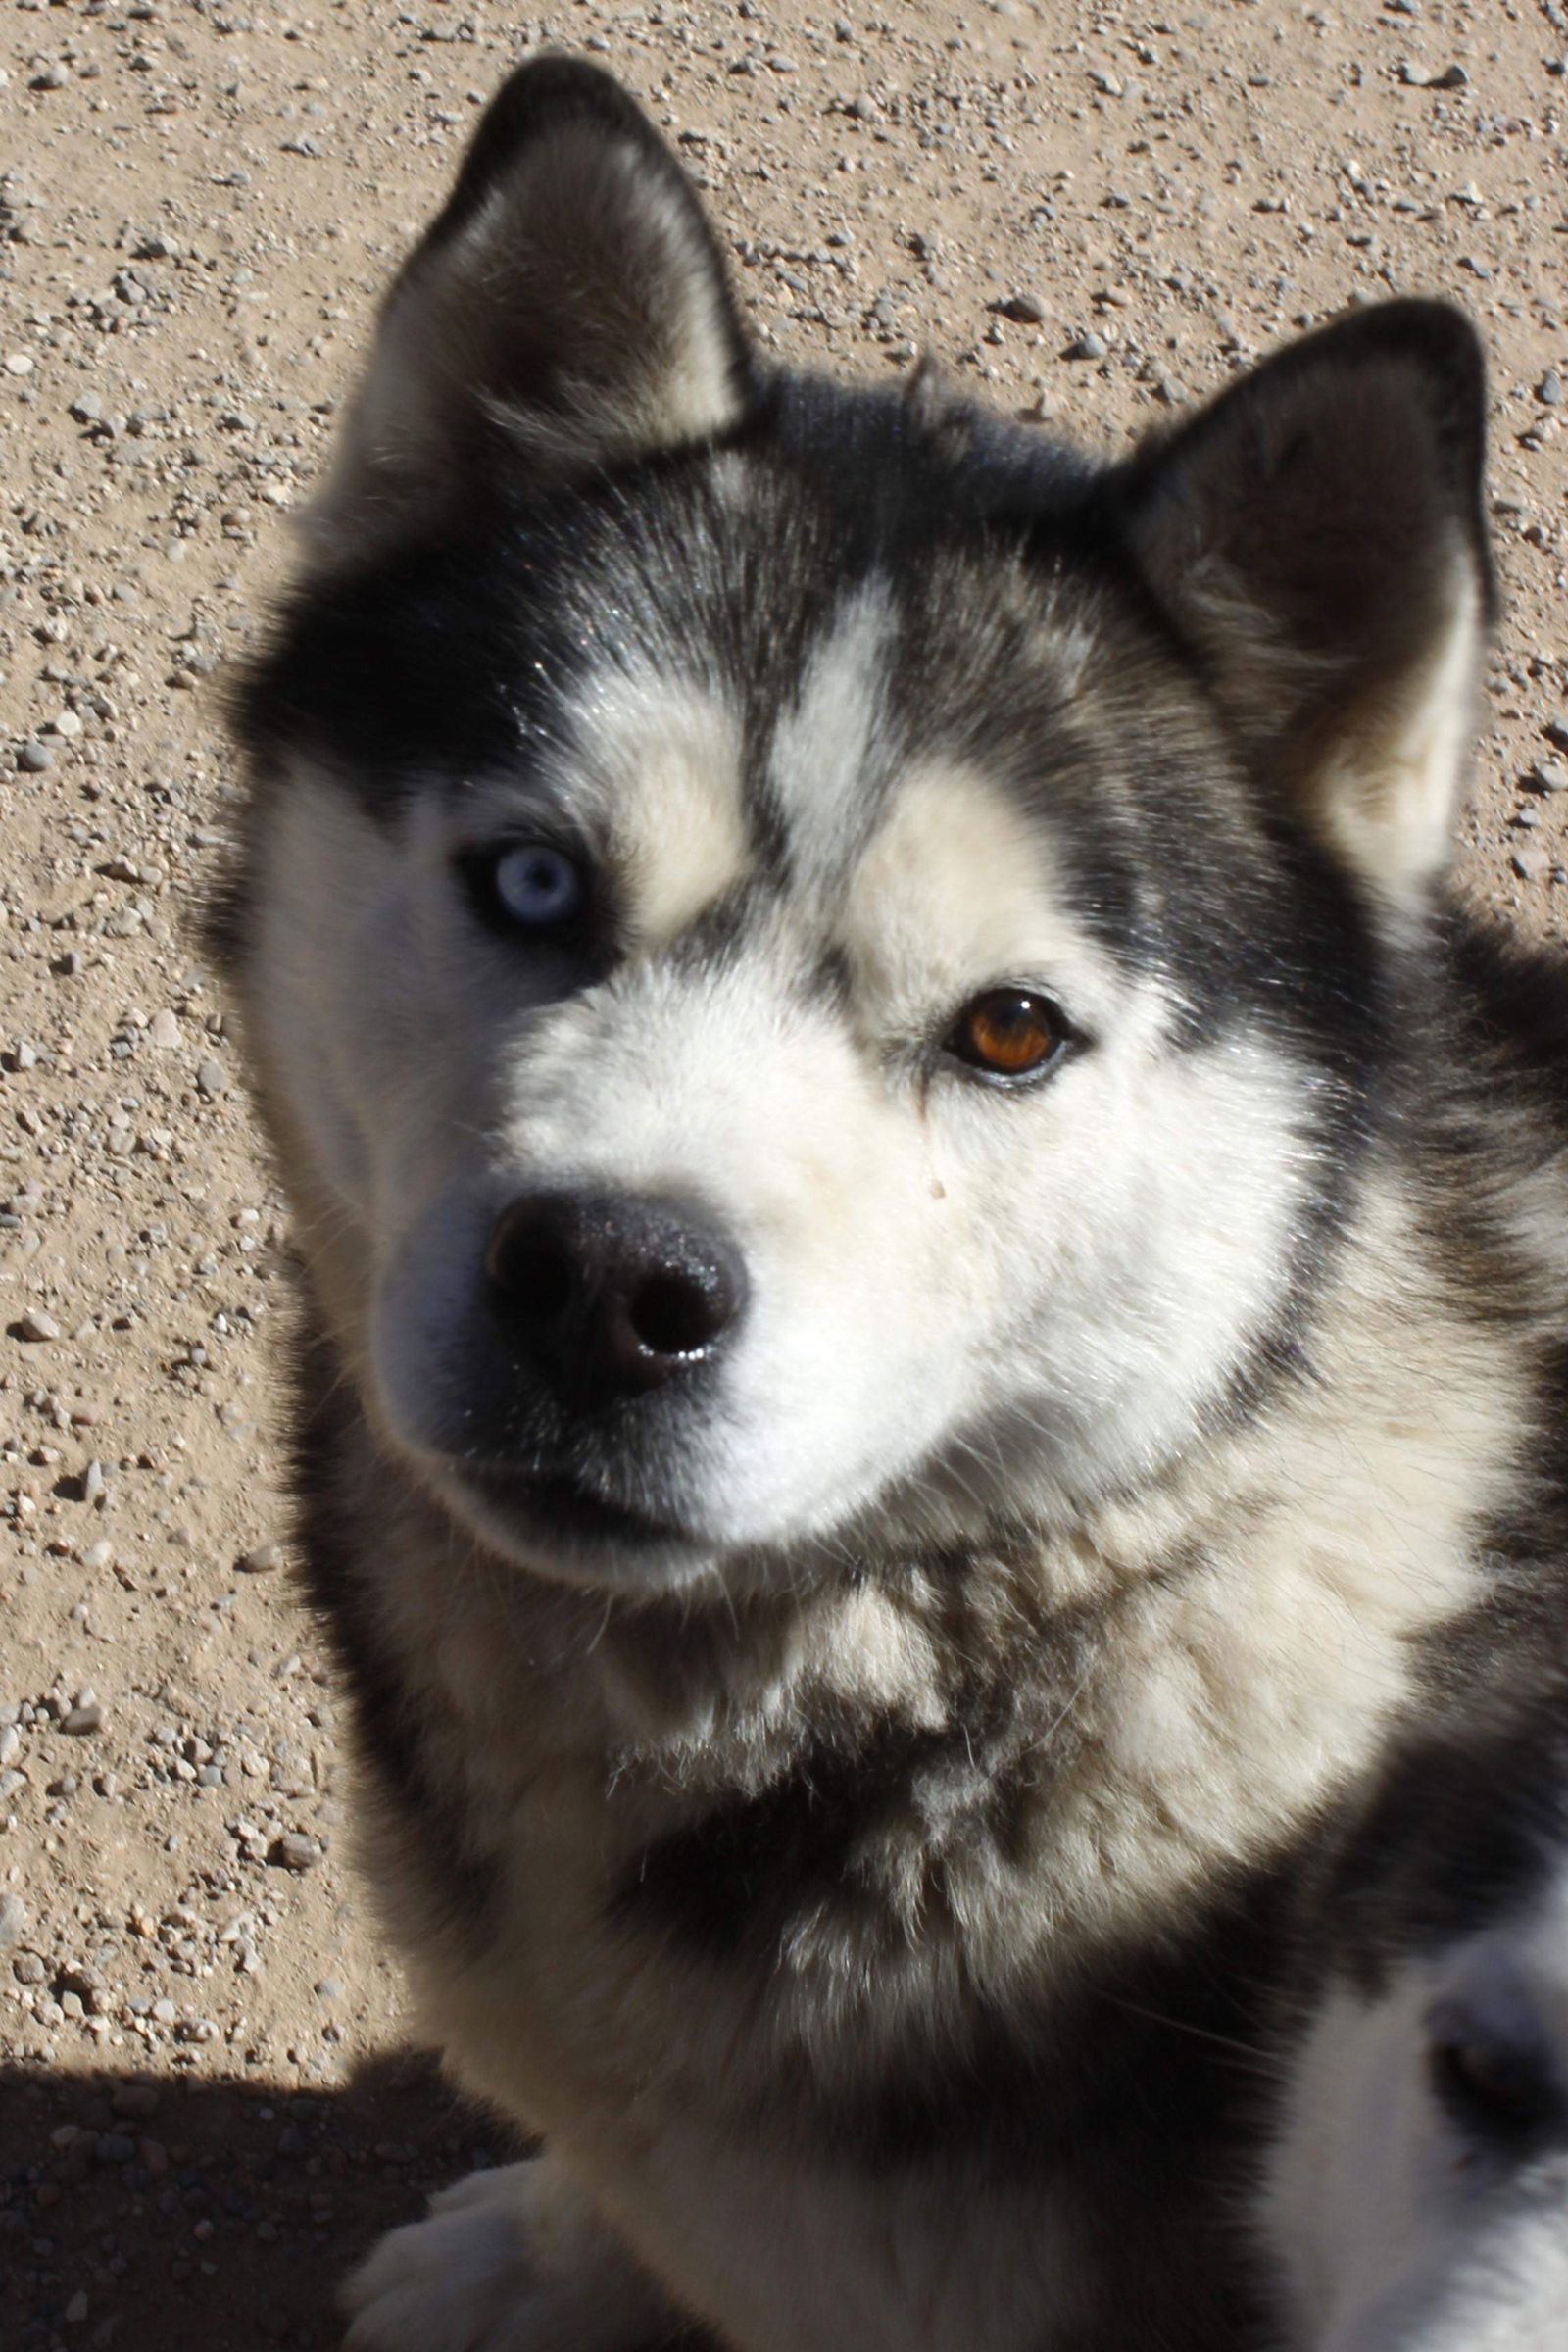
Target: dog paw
[(514, 2260)]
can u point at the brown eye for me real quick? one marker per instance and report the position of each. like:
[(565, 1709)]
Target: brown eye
[(1008, 1033)]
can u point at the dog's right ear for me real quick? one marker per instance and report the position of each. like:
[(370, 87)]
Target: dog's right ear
[(568, 310)]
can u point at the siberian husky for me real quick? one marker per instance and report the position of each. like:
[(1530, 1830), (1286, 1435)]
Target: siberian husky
[(1418, 2193), (936, 1260)]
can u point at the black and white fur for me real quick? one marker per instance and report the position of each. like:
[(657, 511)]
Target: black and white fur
[(1417, 2191), (860, 1579)]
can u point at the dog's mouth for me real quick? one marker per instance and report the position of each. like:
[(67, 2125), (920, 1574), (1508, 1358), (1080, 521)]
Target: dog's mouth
[(562, 1505), (562, 1526)]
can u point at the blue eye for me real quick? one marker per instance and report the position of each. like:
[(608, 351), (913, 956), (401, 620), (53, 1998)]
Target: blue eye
[(537, 887)]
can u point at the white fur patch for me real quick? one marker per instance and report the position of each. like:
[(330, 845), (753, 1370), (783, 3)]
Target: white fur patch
[(957, 890), (827, 748), (1391, 794), (656, 766), (511, 2260)]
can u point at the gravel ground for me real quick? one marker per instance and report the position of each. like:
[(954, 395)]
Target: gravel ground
[(1090, 216)]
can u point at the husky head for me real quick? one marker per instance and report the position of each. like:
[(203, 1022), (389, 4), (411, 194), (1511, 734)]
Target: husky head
[(814, 961), (1418, 2199)]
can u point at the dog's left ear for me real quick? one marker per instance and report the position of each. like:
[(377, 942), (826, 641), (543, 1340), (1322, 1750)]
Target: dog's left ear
[(1317, 536), (568, 310)]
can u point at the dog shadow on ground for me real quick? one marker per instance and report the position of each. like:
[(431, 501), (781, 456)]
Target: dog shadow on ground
[(182, 2213)]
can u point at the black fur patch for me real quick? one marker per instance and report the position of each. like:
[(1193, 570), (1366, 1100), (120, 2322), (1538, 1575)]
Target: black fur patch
[(1517, 995), (222, 918), (730, 1884), (1462, 1828), (404, 669)]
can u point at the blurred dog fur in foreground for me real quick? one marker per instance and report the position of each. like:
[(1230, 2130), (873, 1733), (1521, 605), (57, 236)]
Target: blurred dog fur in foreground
[(1419, 2189)]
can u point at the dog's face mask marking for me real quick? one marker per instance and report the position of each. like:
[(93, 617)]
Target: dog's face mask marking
[(800, 1000)]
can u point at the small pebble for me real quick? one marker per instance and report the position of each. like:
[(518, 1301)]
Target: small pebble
[(13, 1920), (1088, 346), (263, 1560), (1027, 310), (1550, 776), (34, 757), (211, 1079), (295, 1851), (1434, 78), (162, 1031), (36, 1325), (85, 1717), (1549, 390), (1530, 864)]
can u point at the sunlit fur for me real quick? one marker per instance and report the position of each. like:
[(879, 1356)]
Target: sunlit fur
[(865, 1863)]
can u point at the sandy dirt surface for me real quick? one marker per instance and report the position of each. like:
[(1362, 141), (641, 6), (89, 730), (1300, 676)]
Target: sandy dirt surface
[(1090, 216)]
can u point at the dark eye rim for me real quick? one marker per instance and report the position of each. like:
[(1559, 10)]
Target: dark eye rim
[(476, 867), (1069, 1040)]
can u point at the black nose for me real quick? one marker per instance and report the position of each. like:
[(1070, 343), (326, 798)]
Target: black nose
[(614, 1294)]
